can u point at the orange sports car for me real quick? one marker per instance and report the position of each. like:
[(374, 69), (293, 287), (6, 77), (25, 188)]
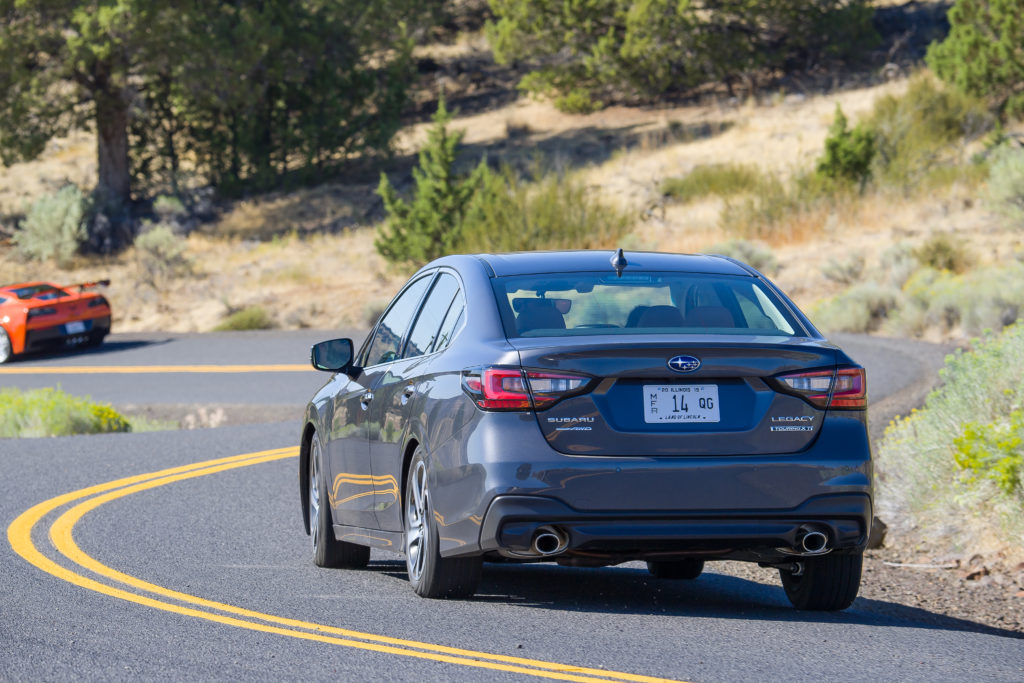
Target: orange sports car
[(40, 315)]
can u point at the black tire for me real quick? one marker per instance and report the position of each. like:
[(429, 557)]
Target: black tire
[(828, 583), (431, 575), (688, 568), (6, 351), (327, 550)]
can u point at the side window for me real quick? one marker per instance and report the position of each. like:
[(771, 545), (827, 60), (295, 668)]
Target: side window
[(424, 331), (395, 323), (452, 323)]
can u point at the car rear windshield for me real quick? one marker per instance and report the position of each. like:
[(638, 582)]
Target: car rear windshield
[(43, 292), (582, 304)]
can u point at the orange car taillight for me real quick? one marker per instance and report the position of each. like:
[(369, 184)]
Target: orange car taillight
[(517, 389), (98, 301), (841, 388)]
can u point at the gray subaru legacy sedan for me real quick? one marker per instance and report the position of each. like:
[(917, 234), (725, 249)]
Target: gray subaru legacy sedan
[(591, 408)]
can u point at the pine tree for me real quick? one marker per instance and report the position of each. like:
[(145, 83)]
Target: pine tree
[(428, 226), (983, 55), (848, 153)]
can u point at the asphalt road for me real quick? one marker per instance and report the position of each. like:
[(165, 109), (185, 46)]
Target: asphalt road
[(205, 573)]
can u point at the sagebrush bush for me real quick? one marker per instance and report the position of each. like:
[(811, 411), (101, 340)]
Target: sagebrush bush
[(1006, 184), (160, 254), (844, 271), (898, 263), (550, 211), (54, 227), (249, 318), (51, 412), (943, 251), (754, 254), (918, 477), (983, 299), (861, 308), (722, 180)]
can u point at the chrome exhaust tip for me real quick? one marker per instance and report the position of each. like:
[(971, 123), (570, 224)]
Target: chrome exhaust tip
[(549, 541), (814, 542)]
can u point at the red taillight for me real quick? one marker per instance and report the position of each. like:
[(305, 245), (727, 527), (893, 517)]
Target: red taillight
[(846, 386), (516, 389), (851, 390)]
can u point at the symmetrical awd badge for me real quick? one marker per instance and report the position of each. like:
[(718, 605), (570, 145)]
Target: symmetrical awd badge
[(683, 363)]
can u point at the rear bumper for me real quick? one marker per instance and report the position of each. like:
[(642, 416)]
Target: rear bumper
[(511, 523), (54, 336)]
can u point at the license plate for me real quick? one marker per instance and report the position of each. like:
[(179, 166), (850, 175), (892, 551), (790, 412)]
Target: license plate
[(74, 327), (681, 403)]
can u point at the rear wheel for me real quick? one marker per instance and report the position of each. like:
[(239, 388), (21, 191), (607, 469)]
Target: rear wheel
[(688, 568), (327, 550), (826, 583), (6, 350), (431, 575)]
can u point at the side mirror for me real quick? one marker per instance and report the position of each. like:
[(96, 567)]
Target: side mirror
[(334, 355)]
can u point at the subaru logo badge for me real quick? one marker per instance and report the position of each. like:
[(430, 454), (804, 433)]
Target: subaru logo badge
[(683, 363)]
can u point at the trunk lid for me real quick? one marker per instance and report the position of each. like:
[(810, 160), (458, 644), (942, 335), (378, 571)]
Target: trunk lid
[(638, 406)]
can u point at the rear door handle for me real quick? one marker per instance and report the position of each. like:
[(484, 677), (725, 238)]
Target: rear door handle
[(408, 393), (364, 400)]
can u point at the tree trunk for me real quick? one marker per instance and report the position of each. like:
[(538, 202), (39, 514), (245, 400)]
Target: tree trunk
[(113, 228)]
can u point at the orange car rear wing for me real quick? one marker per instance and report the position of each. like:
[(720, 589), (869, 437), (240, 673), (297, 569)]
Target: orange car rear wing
[(91, 285)]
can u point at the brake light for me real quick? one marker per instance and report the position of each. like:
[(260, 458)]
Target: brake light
[(36, 312), (842, 388), (98, 301), (517, 389)]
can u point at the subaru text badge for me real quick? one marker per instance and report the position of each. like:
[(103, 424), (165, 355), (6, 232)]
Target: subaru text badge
[(683, 363)]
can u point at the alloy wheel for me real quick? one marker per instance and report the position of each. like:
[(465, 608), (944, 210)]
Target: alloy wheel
[(417, 527)]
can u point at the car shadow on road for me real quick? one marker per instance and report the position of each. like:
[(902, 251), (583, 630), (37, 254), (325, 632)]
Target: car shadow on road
[(73, 352), (627, 590)]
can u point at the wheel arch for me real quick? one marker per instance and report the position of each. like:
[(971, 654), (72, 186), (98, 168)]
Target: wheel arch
[(410, 448), (304, 449)]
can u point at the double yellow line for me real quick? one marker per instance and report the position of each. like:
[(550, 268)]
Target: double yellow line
[(19, 534)]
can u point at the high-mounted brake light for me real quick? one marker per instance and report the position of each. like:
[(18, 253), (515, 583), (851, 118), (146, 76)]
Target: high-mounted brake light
[(847, 387), (517, 389)]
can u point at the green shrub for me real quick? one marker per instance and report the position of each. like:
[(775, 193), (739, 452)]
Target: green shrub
[(54, 227), (509, 213), (918, 476), (160, 254), (722, 180), (925, 128), (994, 451), (249, 318), (1006, 184), (848, 153), (51, 412), (861, 308), (754, 254), (945, 252), (169, 208)]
